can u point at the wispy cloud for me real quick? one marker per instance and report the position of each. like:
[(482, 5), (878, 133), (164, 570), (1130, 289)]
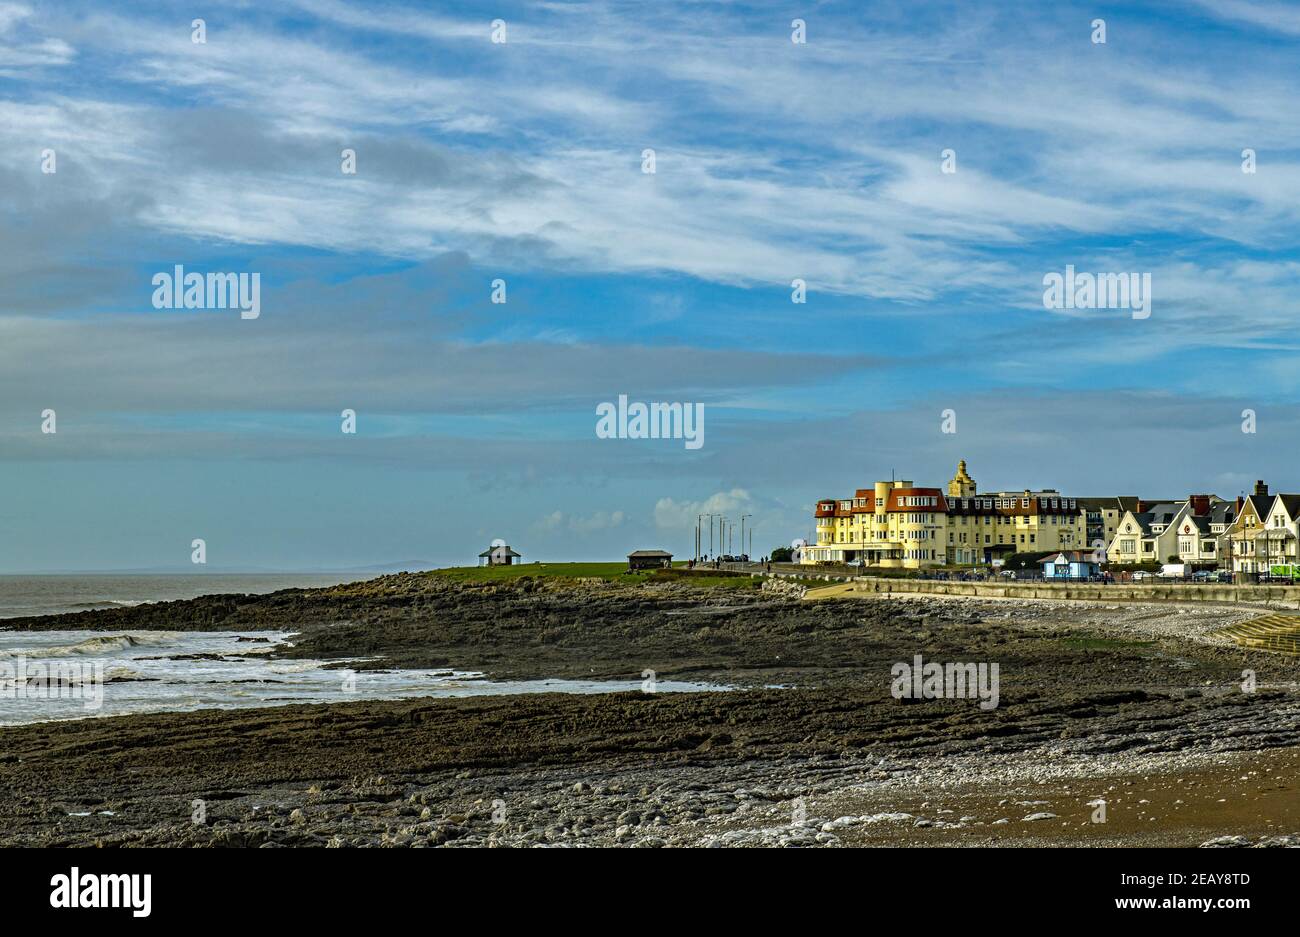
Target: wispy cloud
[(522, 161)]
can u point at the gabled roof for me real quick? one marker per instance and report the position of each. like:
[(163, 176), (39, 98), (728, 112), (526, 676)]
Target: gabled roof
[(1260, 504), (1221, 512), (1143, 521), (1161, 513), (654, 553), (1292, 505), (1158, 514)]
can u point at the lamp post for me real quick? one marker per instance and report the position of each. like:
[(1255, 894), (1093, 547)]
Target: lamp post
[(742, 530)]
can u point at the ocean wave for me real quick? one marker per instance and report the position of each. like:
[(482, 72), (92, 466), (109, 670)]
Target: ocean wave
[(100, 644), (102, 604), (124, 674), (294, 668)]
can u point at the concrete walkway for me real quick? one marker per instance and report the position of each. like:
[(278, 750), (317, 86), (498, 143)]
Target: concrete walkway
[(1274, 597)]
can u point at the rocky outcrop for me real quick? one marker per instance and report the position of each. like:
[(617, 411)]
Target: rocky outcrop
[(784, 587)]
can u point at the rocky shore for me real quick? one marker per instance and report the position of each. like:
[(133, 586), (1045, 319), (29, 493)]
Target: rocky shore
[(1137, 706)]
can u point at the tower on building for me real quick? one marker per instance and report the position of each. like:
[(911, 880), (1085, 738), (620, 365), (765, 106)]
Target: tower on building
[(962, 485)]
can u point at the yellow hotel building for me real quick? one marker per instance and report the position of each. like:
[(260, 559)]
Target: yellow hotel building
[(895, 524)]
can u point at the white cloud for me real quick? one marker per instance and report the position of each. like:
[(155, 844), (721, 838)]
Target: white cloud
[(600, 520), (864, 214), (1282, 17), (682, 515), (21, 47)]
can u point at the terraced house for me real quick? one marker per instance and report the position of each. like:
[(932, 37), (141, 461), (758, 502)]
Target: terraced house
[(1239, 552), (1201, 528), (900, 525), (1280, 530), (1194, 531), (1146, 533), (897, 524), (1266, 534)]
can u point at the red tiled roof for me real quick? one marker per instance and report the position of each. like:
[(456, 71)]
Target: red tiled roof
[(898, 494)]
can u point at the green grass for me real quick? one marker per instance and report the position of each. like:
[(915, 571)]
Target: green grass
[(1097, 643), (611, 572)]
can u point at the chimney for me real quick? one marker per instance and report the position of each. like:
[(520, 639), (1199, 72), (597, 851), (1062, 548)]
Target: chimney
[(1240, 502), (1200, 504), (1260, 487), (1140, 506)]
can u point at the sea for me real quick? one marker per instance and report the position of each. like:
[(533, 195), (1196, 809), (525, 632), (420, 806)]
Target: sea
[(78, 592), (77, 674)]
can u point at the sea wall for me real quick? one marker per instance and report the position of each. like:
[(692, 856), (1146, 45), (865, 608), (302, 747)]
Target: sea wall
[(1275, 596)]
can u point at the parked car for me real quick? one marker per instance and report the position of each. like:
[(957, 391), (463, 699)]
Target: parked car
[(1204, 575), (1142, 574)]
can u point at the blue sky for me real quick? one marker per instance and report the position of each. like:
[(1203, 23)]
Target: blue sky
[(522, 161)]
